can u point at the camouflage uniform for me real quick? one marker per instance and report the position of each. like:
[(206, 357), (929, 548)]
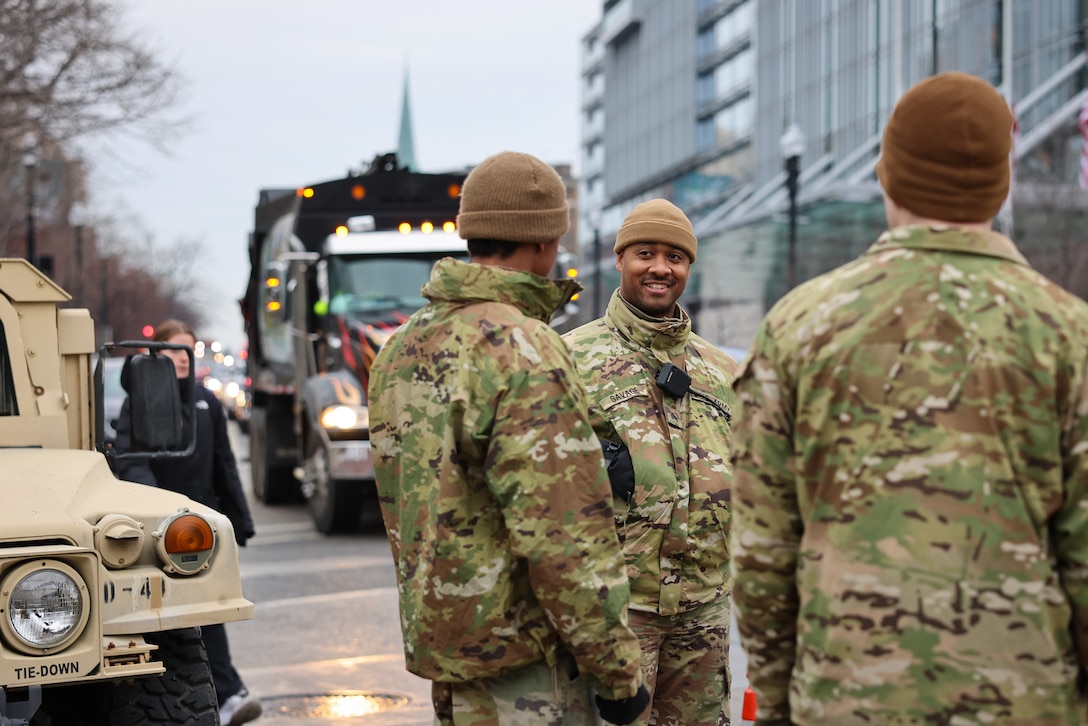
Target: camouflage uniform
[(910, 529), (675, 531), (494, 492)]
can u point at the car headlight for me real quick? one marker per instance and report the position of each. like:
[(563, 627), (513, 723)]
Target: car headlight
[(184, 542), (344, 418), (46, 606)]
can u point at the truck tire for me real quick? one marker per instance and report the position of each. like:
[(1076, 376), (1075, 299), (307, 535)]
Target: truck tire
[(335, 505), (182, 696), (273, 483)]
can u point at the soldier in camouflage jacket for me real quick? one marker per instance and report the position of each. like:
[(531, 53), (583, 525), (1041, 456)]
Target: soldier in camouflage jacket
[(496, 501), (911, 512), (672, 512)]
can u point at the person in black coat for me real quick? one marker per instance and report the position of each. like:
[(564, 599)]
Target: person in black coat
[(209, 476)]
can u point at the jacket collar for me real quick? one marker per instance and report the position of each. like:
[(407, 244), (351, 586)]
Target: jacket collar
[(665, 337), (462, 282), (949, 239)]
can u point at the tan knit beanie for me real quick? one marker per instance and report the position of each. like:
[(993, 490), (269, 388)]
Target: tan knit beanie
[(945, 153), (513, 197), (657, 220)]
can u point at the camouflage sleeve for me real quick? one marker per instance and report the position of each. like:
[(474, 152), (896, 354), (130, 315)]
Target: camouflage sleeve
[(1070, 525), (767, 527), (546, 469)]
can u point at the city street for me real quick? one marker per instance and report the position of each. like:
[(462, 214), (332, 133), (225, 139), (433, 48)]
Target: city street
[(324, 646)]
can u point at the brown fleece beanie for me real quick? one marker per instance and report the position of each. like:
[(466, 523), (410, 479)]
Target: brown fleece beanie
[(513, 197), (657, 220), (945, 153)]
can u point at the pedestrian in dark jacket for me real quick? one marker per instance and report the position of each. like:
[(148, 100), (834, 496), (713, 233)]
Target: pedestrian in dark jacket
[(209, 476)]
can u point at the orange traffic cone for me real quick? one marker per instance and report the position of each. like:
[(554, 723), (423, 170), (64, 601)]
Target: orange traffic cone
[(749, 709)]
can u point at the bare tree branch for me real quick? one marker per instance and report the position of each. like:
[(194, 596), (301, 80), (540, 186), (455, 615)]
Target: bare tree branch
[(68, 71)]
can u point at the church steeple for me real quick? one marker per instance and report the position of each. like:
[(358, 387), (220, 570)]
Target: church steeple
[(406, 149)]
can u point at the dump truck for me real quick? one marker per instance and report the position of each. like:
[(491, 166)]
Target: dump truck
[(104, 584), (335, 267)]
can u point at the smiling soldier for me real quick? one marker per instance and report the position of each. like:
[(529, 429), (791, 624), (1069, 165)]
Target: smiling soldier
[(660, 399)]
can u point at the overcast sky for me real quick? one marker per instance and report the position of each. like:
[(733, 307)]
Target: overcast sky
[(284, 93)]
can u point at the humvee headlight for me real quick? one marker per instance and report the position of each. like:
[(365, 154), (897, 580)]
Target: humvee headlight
[(184, 542), (45, 605), (345, 417)]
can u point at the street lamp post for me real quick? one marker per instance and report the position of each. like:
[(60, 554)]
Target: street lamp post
[(792, 144), (30, 163), (77, 217), (104, 300)]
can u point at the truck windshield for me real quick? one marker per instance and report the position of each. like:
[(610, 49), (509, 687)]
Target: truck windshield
[(370, 285), (8, 404)]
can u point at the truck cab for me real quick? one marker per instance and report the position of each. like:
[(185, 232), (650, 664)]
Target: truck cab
[(360, 287), (335, 268)]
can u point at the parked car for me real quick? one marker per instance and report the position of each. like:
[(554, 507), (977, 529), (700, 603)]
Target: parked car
[(113, 395), (231, 386), (240, 408)]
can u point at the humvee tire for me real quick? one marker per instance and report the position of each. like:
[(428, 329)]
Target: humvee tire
[(182, 696)]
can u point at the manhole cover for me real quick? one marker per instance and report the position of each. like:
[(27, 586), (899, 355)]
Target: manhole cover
[(342, 704)]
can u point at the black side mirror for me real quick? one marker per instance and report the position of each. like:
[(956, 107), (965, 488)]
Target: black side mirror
[(154, 400)]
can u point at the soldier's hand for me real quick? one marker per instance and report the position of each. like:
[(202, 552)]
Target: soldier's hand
[(624, 710)]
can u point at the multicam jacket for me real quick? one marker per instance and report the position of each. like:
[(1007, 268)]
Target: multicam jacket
[(675, 530), (493, 487), (910, 525)]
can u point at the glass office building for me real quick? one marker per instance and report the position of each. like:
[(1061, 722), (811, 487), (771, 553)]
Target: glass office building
[(689, 100)]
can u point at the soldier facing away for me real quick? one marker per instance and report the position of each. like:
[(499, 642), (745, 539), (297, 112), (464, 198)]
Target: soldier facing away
[(660, 401), (910, 525), (512, 591)]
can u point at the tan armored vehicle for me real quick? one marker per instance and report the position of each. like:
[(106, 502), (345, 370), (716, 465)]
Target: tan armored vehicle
[(103, 583)]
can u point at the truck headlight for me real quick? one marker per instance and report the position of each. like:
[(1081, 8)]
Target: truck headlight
[(46, 606), (184, 542), (345, 418)]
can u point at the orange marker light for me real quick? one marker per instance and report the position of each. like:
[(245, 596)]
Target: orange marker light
[(454, 190), (449, 227), (188, 534), (404, 228), (426, 228), (307, 192), (341, 230), (358, 191)]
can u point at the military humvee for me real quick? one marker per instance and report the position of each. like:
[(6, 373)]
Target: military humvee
[(103, 583)]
